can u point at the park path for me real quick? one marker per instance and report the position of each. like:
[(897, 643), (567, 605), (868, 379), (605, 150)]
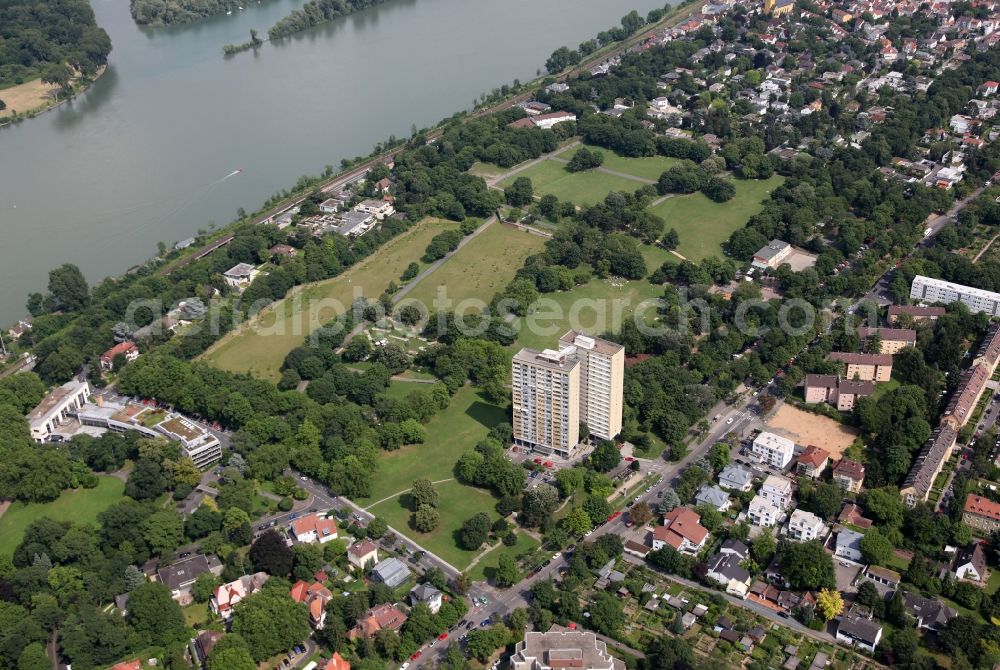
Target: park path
[(401, 293), (986, 248), (494, 180), (616, 173), (399, 493)]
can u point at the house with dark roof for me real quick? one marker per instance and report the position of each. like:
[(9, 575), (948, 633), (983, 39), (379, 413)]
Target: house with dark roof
[(893, 339), (727, 571), (859, 632), (179, 577), (929, 462), (736, 478), (915, 312), (850, 475), (428, 595), (929, 613), (970, 564), (864, 367), (713, 496)]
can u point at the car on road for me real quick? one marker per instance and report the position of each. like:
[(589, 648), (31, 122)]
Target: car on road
[(404, 666), (293, 516), (729, 421), (185, 554), (443, 636), (587, 534), (415, 655), (304, 478), (556, 555), (484, 623), (614, 515)]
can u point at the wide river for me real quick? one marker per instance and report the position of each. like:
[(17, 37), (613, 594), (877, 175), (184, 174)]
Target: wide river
[(143, 155)]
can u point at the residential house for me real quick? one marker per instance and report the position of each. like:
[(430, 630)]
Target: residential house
[(804, 526), (682, 530), (362, 553), (380, 209), (735, 478), (772, 449), (929, 613), (852, 515), (970, 564), (179, 577), (915, 312), (713, 496), (315, 596), (392, 572), (850, 475), (310, 529), (859, 632), (849, 545), (762, 512), (864, 367), (225, 597), (428, 595), (240, 276), (336, 662), (841, 393), (770, 256), (204, 643), (812, 461), (893, 339), (282, 250), (726, 569), (778, 490), (928, 464), (382, 617), (126, 349), (981, 513)]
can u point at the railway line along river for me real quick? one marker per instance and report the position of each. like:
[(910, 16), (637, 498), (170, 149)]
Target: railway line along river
[(147, 154)]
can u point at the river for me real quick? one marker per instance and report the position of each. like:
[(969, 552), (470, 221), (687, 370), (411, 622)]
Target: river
[(142, 156)]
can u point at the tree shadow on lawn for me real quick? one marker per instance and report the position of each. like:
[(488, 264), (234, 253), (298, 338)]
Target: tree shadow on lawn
[(486, 413)]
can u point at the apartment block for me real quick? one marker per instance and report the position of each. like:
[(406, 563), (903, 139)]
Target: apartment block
[(602, 379), (864, 367), (893, 339), (981, 513), (778, 490), (555, 390), (928, 289), (773, 449)]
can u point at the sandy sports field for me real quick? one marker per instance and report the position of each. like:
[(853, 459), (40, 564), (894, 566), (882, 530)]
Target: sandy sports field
[(807, 428)]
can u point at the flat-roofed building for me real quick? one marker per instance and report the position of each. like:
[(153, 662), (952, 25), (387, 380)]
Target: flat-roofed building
[(57, 407), (864, 367), (240, 275), (773, 449), (602, 380), (546, 399), (559, 650), (893, 339), (770, 256), (778, 490), (928, 289)]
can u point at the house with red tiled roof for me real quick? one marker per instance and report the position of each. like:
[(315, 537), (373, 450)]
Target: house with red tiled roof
[(362, 553), (682, 530), (337, 662), (315, 596), (383, 617), (311, 528), (126, 349), (981, 513), (225, 597), (988, 88), (812, 461)]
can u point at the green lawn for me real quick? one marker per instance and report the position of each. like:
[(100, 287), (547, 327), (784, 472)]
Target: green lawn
[(260, 346), (450, 433), (485, 568), (884, 387), (647, 168), (580, 188), (195, 613), (457, 503), (703, 225), (656, 256), (479, 269), (78, 506), (400, 389), (596, 307)]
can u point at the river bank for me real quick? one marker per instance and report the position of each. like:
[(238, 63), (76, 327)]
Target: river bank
[(38, 97)]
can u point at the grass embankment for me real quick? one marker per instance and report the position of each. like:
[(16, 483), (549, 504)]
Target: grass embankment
[(704, 225), (260, 346), (481, 268), (78, 506)]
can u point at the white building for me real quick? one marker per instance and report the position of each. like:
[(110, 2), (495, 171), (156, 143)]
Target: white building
[(805, 526), (380, 209), (762, 512), (770, 257), (554, 391), (240, 275), (778, 490), (58, 406), (549, 120), (774, 450), (927, 289), (562, 650), (849, 545)]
